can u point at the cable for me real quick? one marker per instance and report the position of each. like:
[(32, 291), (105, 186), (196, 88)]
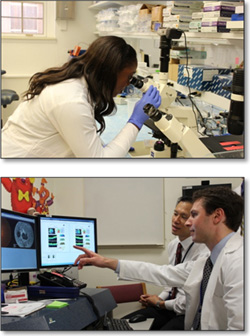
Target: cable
[(178, 99), (66, 269), (190, 93), (13, 281), (95, 309)]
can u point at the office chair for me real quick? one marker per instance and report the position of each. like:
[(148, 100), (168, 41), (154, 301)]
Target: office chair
[(7, 96), (127, 293)]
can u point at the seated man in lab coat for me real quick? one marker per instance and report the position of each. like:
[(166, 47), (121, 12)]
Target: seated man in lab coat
[(214, 287), (168, 309)]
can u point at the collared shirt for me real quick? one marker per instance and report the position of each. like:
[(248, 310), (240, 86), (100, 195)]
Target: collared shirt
[(186, 244), (190, 252), (217, 249)]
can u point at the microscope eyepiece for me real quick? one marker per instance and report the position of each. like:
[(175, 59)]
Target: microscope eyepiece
[(152, 112), (138, 83)]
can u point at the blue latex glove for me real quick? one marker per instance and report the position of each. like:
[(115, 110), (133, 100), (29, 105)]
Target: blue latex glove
[(152, 96)]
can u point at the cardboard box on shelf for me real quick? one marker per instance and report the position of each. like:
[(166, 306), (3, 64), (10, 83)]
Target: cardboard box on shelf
[(173, 68), (145, 10), (157, 17)]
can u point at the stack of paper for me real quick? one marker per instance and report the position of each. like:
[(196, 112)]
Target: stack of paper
[(216, 14), (178, 14), (22, 309)]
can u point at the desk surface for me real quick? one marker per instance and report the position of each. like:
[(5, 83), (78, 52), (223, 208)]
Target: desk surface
[(76, 316)]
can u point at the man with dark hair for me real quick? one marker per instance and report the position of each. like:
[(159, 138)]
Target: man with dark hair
[(221, 197), (168, 308), (214, 287)]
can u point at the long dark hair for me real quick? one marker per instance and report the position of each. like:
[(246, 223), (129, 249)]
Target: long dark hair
[(100, 64)]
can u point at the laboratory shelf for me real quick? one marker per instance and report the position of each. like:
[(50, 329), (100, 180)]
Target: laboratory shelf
[(108, 4), (130, 35), (232, 38), (206, 96), (198, 38)]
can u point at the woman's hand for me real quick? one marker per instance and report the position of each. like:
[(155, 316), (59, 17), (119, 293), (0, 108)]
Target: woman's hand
[(152, 96)]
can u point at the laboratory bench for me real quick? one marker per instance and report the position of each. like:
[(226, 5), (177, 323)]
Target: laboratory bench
[(145, 141)]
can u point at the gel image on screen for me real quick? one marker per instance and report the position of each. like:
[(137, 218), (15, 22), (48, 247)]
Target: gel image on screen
[(59, 234)]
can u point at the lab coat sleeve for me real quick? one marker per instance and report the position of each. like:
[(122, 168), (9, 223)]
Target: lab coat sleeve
[(233, 296), (160, 275), (179, 304), (165, 293), (77, 127)]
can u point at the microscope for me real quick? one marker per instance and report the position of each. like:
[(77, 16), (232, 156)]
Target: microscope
[(175, 126), (177, 133)]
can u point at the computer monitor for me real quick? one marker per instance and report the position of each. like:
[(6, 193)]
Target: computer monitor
[(189, 190), (58, 234), (19, 252)]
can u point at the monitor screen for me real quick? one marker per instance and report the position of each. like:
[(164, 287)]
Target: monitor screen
[(18, 242), (189, 190), (58, 234)]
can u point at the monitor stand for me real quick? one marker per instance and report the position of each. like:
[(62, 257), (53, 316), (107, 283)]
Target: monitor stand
[(23, 279)]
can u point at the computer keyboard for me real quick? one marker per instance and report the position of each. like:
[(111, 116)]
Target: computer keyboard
[(116, 324)]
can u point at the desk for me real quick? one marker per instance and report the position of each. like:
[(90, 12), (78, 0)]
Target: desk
[(76, 316)]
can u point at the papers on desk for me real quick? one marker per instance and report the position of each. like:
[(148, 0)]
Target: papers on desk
[(22, 309)]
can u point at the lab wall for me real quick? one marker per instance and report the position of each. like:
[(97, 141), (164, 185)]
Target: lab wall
[(21, 58), (69, 196), (129, 206)]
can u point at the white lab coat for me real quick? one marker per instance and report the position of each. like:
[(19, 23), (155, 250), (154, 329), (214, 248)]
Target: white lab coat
[(223, 305), (60, 123), (196, 251)]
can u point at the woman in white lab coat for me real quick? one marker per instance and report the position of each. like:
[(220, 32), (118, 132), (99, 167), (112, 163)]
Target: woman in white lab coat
[(62, 106), (216, 215)]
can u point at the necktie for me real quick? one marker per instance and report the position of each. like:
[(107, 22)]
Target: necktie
[(177, 261), (206, 274)]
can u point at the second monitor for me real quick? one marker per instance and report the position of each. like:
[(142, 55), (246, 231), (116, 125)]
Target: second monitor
[(58, 234)]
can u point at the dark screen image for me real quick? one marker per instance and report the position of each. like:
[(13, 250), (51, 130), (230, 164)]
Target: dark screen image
[(17, 234), (18, 242)]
